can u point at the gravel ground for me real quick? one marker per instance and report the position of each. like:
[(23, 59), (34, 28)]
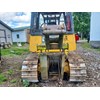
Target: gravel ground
[(91, 58), (92, 61)]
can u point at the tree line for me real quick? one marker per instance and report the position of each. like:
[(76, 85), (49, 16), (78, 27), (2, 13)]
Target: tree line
[(82, 23)]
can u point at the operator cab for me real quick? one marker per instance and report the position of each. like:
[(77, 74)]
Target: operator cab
[(41, 19)]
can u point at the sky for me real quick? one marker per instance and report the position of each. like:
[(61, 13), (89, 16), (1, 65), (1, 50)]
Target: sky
[(16, 19)]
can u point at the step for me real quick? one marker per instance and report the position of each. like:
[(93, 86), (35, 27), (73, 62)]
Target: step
[(82, 65), (30, 62), (78, 75), (78, 72), (76, 80)]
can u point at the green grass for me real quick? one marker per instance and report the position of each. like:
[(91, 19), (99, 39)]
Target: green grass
[(14, 50), (98, 49), (88, 46), (25, 83), (13, 81), (10, 72), (2, 78)]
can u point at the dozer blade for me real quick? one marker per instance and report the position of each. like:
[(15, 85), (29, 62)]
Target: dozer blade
[(77, 67), (29, 68)]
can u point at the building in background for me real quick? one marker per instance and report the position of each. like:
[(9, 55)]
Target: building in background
[(95, 30), (11, 35), (21, 34), (5, 33)]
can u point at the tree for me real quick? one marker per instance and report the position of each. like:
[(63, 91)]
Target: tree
[(82, 22)]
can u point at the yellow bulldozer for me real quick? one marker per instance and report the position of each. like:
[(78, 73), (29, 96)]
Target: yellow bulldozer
[(52, 48)]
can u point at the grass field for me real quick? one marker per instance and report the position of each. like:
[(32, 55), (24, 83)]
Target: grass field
[(15, 50), (86, 45)]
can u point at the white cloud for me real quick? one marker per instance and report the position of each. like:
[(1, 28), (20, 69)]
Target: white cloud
[(16, 19), (23, 18), (22, 24), (6, 16)]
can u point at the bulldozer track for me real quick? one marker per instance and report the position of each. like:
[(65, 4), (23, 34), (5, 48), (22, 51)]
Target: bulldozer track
[(76, 64), (77, 67), (30, 68)]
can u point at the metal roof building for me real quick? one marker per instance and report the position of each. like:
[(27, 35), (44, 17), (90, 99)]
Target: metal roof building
[(20, 34), (5, 33)]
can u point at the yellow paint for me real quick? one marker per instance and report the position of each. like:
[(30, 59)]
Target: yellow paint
[(34, 41), (70, 39), (66, 68), (55, 50), (66, 52), (37, 40), (52, 51)]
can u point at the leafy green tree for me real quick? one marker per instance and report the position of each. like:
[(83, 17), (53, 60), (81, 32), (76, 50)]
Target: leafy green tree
[(82, 23)]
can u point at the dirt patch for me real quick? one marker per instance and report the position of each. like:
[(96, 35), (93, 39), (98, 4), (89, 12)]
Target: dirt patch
[(11, 68)]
